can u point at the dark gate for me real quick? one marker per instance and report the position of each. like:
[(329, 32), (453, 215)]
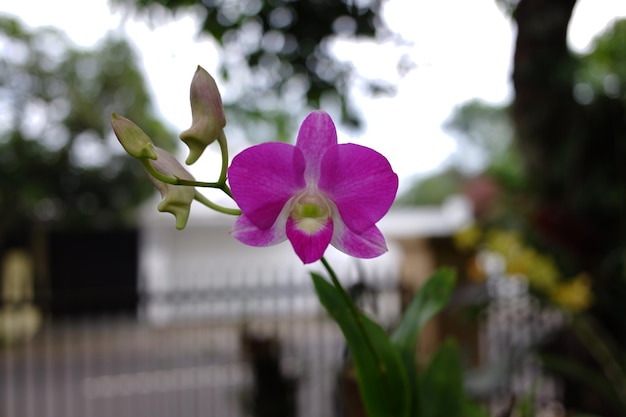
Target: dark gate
[(92, 273)]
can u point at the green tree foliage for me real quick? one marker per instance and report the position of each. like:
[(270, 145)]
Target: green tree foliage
[(485, 145), (571, 130), (569, 124), (60, 164), (603, 70), (483, 134), (282, 48), (432, 190)]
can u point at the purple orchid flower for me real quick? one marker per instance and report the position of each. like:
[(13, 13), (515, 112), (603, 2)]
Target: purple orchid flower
[(316, 193)]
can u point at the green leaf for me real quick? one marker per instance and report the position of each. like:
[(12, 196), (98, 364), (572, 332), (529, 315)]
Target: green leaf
[(408, 360), (428, 301), (380, 372), (441, 385)]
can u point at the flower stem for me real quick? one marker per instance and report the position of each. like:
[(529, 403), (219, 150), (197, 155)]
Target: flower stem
[(199, 197), (221, 140), (354, 312), (175, 180), (221, 184)]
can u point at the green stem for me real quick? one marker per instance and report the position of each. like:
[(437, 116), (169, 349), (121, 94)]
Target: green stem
[(356, 314), (175, 180), (199, 197), (220, 185), (221, 140)]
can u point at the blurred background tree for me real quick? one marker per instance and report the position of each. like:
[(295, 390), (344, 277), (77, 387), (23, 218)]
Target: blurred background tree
[(484, 137), (275, 56), (569, 115), (570, 118), (68, 191), (60, 164), (561, 142), (557, 174)]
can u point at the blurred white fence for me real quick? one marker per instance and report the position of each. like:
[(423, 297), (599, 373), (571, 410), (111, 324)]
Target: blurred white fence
[(181, 355)]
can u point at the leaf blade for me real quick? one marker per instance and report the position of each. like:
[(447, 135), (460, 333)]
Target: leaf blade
[(442, 383), (427, 302), (381, 375)]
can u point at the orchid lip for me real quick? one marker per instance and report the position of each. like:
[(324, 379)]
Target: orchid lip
[(310, 211)]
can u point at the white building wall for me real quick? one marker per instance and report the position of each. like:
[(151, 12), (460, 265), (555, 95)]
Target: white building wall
[(202, 271)]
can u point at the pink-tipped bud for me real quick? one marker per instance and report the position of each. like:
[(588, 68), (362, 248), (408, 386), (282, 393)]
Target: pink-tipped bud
[(207, 115)]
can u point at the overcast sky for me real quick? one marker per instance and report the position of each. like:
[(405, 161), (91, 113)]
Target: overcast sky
[(461, 50)]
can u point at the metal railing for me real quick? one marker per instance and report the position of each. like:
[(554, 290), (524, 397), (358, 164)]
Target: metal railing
[(202, 361)]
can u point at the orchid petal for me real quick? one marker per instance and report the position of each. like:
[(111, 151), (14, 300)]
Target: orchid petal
[(360, 182), (368, 244), (263, 178), (247, 232), (317, 134), (310, 247)]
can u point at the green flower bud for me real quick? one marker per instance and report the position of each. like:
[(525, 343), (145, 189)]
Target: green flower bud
[(132, 138), (176, 198), (207, 115)]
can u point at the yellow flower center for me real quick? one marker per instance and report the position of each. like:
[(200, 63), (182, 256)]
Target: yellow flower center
[(310, 213)]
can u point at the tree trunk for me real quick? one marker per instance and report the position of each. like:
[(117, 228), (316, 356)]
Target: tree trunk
[(543, 81)]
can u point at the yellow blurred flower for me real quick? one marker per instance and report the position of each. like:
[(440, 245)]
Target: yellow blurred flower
[(520, 260), (468, 238), (543, 274), (540, 271), (574, 295), (503, 242)]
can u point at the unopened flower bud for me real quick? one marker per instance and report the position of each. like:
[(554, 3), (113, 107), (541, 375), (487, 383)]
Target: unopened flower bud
[(207, 115), (177, 199), (132, 138)]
